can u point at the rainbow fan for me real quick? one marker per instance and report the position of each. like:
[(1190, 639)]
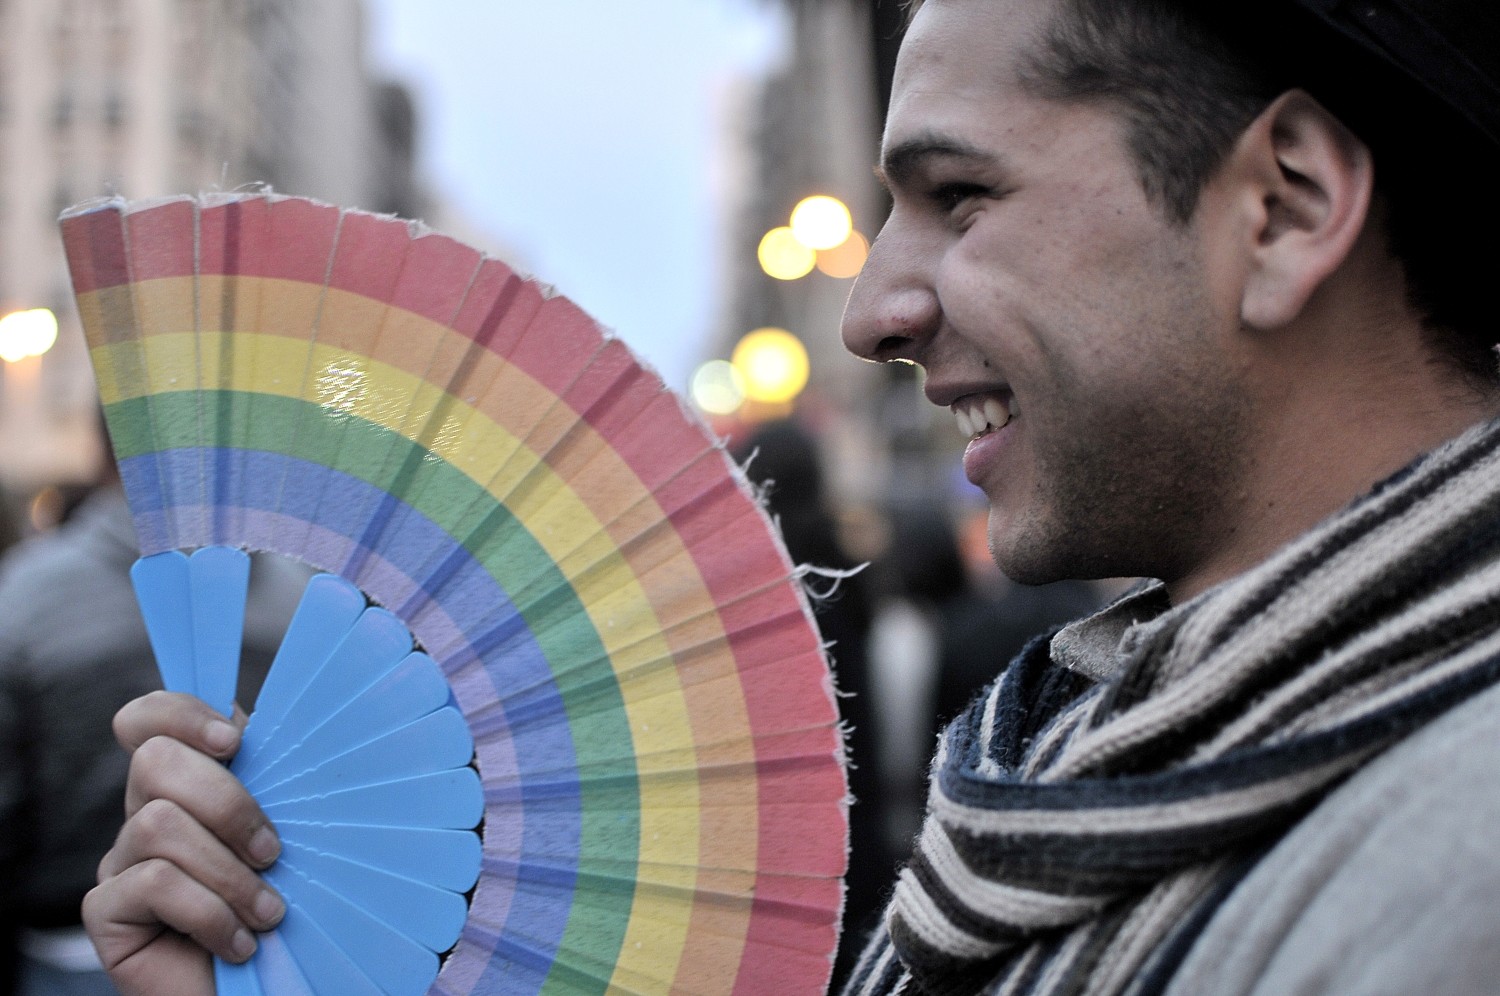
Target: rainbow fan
[(616, 715)]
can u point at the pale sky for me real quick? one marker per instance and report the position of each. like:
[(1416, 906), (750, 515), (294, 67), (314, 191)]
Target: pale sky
[(588, 135)]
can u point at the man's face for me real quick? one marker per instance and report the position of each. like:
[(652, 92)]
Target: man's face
[(1024, 268)]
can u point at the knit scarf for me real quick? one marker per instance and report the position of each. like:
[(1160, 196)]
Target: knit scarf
[(1080, 834)]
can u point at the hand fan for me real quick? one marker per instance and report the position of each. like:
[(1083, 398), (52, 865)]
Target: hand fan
[(617, 629)]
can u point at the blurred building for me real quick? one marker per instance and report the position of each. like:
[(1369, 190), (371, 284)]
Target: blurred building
[(153, 97), (817, 131)]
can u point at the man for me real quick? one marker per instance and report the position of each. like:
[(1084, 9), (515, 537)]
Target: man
[(1184, 310), (1186, 283)]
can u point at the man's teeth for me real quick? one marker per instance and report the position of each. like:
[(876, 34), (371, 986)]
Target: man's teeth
[(977, 417), (995, 412)]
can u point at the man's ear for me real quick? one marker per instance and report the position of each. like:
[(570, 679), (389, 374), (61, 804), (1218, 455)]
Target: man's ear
[(1309, 182)]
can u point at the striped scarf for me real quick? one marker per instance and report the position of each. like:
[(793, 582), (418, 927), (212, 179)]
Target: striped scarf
[(1080, 834)]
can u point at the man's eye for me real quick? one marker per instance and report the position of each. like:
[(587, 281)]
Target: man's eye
[(951, 195)]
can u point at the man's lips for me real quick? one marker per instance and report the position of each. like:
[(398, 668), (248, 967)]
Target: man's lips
[(986, 417)]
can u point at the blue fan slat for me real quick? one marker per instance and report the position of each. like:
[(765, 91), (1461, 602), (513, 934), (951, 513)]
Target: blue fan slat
[(277, 969), (161, 588), (436, 742), (446, 858), (194, 608), (327, 970), (236, 980), (390, 959), (377, 643), (430, 916), (218, 578), (449, 800), (329, 608), (411, 690)]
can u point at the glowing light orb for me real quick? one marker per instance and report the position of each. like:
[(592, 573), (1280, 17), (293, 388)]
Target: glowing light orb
[(783, 257), (27, 333), (821, 222), (718, 387), (846, 259), (773, 363)]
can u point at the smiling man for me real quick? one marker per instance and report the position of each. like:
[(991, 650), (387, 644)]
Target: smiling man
[(1201, 288)]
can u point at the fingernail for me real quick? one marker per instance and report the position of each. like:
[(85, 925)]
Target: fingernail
[(243, 944), (268, 907), (219, 735), (264, 846)]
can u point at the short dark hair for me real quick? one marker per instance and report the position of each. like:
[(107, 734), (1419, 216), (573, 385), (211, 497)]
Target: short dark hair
[(1189, 81)]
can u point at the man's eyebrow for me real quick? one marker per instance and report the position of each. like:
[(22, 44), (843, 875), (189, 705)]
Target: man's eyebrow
[(901, 162)]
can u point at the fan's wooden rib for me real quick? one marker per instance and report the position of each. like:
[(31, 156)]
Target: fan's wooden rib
[(442, 800)]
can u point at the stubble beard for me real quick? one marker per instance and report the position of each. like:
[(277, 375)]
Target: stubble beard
[(1133, 479)]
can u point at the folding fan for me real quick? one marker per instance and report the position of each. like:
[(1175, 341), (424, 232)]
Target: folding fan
[(614, 764)]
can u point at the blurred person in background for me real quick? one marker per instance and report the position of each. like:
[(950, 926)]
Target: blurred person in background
[(942, 636), (783, 461), (73, 650)]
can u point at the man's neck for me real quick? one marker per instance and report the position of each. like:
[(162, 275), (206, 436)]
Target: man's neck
[(1331, 437), (1328, 477)]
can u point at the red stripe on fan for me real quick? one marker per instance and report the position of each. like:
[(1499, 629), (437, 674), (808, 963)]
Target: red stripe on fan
[(773, 971), (499, 307), (556, 358), (283, 239), (308, 231), (436, 277), (793, 932), (161, 241), (370, 255), (233, 237), (95, 246)]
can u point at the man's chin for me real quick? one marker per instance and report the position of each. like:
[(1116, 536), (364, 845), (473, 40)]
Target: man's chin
[(1023, 554)]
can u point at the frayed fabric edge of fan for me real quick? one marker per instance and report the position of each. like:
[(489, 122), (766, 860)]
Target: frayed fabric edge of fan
[(260, 190)]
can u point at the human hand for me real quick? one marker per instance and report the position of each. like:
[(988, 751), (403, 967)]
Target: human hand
[(180, 881)]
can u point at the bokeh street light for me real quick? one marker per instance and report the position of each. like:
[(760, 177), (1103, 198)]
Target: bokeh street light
[(783, 257), (821, 222), (718, 387), (27, 333), (846, 259), (774, 365)]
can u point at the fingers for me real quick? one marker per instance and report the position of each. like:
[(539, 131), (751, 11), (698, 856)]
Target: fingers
[(166, 769), (170, 965), (161, 830), (156, 893), (181, 717), (128, 921), (179, 883)]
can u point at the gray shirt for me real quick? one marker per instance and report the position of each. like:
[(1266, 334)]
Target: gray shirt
[(1390, 887)]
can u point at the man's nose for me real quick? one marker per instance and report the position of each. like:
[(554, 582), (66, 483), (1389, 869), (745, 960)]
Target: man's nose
[(893, 309)]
